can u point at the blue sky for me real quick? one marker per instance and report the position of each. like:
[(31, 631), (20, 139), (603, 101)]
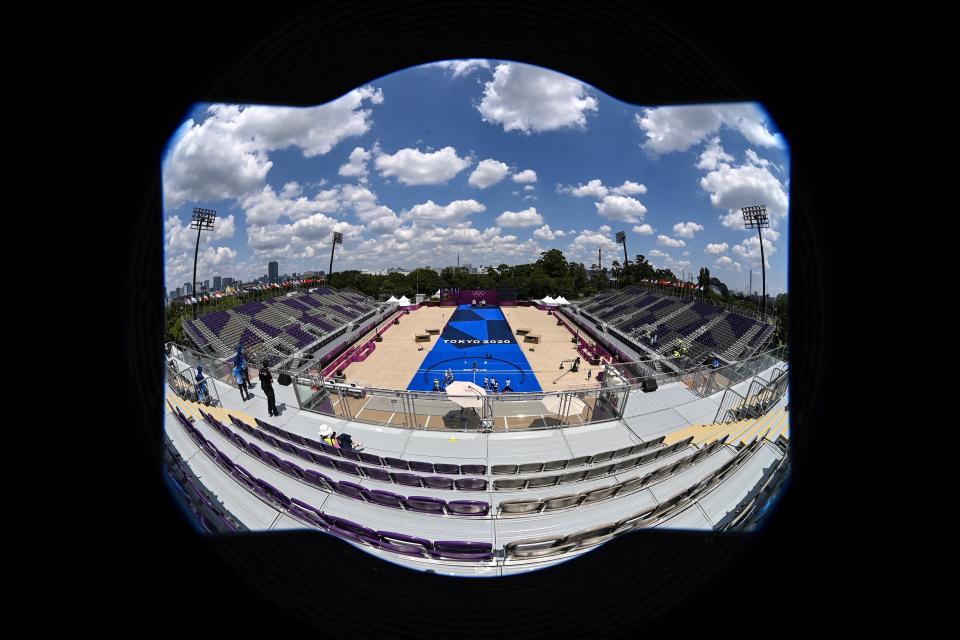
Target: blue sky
[(495, 160)]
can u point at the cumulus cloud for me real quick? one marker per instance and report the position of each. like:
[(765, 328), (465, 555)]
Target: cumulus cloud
[(732, 187), (749, 251), (596, 189), (585, 245), (533, 100), (461, 68), (667, 241), (643, 229), (414, 167), (656, 253), (431, 212), (489, 172), (180, 237), (716, 248), (179, 267), (527, 176), (356, 166), (526, 218), (546, 233), (227, 154), (266, 206), (623, 208), (686, 229), (712, 155), (679, 128)]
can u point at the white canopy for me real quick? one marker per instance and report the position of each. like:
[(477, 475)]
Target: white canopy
[(562, 300), (436, 295), (404, 301), (392, 299), (466, 394), (548, 300)]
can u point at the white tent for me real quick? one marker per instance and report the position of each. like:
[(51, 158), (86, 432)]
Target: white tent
[(404, 301), (392, 299), (562, 300), (548, 300), (436, 295)]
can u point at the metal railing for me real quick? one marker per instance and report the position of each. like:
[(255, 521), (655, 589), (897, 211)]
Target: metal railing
[(183, 380)]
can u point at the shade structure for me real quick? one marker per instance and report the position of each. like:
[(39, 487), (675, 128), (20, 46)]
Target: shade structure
[(466, 394), (571, 405), (562, 300), (436, 295), (404, 301), (548, 300), (392, 299)]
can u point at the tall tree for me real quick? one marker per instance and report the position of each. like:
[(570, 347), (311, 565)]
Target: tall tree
[(703, 280)]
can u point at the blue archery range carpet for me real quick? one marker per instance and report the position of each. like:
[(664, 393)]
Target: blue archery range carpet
[(476, 343)]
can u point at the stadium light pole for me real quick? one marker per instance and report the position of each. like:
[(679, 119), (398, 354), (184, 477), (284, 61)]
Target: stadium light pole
[(755, 217), (337, 239), (202, 221), (622, 239)]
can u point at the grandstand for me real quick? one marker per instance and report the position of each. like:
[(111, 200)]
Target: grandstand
[(540, 477), (280, 328)]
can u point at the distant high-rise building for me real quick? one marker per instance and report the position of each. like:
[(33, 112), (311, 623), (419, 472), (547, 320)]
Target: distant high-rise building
[(227, 282), (217, 283), (273, 271), (206, 284), (188, 288), (179, 291)]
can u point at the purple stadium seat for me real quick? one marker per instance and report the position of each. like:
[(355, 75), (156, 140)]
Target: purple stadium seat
[(402, 538), (437, 482), (471, 484), (468, 507), (425, 504), (386, 498), (348, 525), (405, 549), (271, 459), (291, 468), (462, 546), (376, 473), (346, 467), (406, 479), (473, 469), (370, 458), (350, 454), (330, 449), (441, 467), (324, 461), (317, 479), (351, 490), (397, 463), (424, 467)]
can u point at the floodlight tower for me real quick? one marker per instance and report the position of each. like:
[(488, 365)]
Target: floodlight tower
[(202, 221), (337, 239), (622, 239), (755, 217)]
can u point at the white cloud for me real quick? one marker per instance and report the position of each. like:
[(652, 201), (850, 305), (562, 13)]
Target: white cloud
[(488, 172), (667, 241), (727, 264), (414, 167), (526, 176), (533, 100), (712, 155), (453, 212), (686, 229), (585, 245), (180, 237), (266, 207), (715, 248), (749, 250), (644, 229), (732, 187), (529, 187), (462, 67), (656, 253), (526, 218), (546, 233), (179, 268), (679, 128), (621, 208), (356, 167), (596, 189), (226, 155)]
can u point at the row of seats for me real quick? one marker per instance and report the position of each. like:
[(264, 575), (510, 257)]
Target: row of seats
[(536, 548), (212, 516), (422, 504), (310, 515), (513, 484), (360, 456), (518, 507)]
